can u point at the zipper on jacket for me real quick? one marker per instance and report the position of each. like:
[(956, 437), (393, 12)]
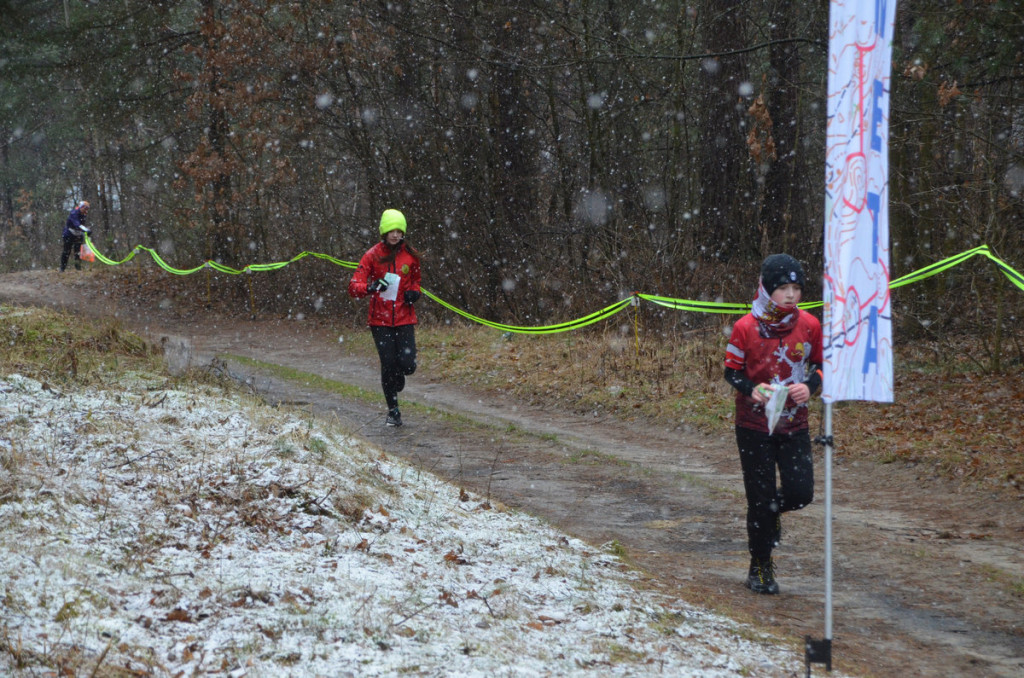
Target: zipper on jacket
[(395, 302)]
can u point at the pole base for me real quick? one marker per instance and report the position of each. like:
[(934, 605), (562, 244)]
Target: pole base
[(817, 652)]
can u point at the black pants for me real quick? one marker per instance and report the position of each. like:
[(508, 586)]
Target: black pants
[(72, 243), (396, 347), (760, 454)]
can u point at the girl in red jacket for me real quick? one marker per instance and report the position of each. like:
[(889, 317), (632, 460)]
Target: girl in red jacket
[(775, 346), (389, 273)]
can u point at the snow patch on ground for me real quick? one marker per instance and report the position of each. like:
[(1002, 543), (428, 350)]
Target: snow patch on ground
[(175, 530)]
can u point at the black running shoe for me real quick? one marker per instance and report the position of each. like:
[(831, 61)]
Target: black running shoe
[(761, 578), (394, 418)]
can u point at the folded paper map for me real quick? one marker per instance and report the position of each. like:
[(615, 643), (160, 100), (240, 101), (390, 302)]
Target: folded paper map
[(773, 408)]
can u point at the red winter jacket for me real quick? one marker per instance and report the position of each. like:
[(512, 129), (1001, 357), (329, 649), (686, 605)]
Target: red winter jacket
[(785, 360), (384, 312)]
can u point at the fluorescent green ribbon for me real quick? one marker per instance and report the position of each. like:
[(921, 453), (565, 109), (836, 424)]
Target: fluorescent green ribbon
[(213, 264), (604, 313), (939, 266), (668, 302)]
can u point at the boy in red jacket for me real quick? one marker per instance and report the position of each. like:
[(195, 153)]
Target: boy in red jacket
[(775, 346), (389, 273)]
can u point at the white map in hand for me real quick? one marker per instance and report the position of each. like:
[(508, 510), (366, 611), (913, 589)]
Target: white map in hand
[(391, 293), (773, 408)]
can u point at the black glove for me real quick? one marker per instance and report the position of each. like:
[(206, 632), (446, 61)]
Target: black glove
[(378, 285), (411, 296)]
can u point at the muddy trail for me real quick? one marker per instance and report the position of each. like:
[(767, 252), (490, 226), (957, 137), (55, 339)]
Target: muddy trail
[(929, 578)]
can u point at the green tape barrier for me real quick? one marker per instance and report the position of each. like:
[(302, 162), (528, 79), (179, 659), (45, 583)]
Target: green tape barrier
[(668, 302), (695, 306), (213, 264), (604, 313), (546, 329), (712, 306), (939, 266)]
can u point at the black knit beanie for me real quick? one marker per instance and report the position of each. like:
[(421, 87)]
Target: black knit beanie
[(780, 269)]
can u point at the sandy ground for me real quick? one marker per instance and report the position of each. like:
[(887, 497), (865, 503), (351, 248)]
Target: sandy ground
[(928, 574)]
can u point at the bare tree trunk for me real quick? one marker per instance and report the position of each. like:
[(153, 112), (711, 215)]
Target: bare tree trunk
[(723, 189), (6, 192), (219, 241), (783, 213)]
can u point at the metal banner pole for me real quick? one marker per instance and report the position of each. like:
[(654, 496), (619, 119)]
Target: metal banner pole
[(820, 651)]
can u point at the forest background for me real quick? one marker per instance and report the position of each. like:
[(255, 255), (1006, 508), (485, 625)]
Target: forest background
[(552, 157)]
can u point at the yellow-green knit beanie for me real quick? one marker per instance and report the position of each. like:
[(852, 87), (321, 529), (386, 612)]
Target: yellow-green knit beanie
[(390, 220)]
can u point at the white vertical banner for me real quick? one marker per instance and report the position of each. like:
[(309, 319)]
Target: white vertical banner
[(857, 318)]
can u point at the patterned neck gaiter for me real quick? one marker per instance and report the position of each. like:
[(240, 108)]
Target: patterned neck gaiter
[(772, 320)]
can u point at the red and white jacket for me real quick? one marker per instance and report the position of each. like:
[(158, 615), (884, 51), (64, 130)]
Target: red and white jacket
[(784, 360), (386, 313)]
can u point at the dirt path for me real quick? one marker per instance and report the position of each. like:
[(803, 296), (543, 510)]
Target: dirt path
[(929, 580)]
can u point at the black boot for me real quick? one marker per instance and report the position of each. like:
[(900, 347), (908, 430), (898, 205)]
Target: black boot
[(761, 578), (394, 418)]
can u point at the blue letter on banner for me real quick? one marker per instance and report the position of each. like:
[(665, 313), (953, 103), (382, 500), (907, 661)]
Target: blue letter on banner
[(871, 342)]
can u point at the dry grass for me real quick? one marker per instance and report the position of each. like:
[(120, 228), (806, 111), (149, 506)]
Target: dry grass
[(949, 416), (614, 370), (54, 347)]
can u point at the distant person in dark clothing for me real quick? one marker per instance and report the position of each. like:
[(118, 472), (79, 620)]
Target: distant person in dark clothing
[(74, 235)]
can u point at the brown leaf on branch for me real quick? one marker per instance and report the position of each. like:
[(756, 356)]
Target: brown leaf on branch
[(947, 93), (760, 142)]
